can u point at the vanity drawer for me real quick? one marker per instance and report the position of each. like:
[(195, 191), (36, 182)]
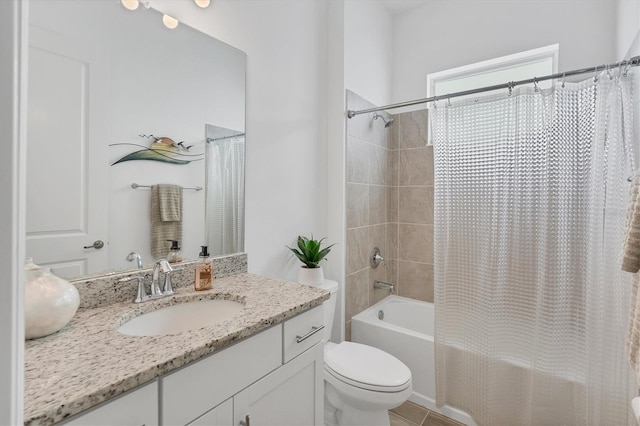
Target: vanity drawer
[(302, 332), (195, 389)]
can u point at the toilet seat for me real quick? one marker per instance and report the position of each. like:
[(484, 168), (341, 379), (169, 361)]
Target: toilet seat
[(367, 368)]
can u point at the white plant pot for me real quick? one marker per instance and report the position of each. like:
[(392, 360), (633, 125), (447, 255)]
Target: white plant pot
[(311, 276)]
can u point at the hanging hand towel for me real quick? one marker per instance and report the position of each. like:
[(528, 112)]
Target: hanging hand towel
[(631, 245), (170, 199), (166, 218), (631, 263)]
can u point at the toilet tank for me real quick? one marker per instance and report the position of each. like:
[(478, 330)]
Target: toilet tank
[(329, 307)]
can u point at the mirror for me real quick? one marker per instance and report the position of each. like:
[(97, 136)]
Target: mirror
[(105, 82)]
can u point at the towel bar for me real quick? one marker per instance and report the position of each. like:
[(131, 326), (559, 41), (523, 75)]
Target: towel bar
[(136, 186)]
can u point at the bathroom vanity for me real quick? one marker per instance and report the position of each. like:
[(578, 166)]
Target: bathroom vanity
[(264, 364)]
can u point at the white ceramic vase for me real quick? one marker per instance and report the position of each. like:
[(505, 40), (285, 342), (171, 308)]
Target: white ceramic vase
[(311, 276), (49, 301)]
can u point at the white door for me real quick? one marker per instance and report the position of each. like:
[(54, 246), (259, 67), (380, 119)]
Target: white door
[(67, 165), (222, 415)]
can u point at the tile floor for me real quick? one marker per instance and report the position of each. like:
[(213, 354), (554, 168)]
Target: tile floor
[(410, 414)]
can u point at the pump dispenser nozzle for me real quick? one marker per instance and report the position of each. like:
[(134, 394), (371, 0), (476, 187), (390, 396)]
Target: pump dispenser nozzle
[(175, 255)]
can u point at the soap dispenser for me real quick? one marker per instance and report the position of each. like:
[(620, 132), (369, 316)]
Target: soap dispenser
[(175, 254), (204, 271)]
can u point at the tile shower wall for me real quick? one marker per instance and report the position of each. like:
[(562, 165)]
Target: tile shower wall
[(389, 205), (414, 169), (370, 216)]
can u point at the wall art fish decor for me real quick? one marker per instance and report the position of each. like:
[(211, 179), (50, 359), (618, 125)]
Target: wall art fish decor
[(162, 149)]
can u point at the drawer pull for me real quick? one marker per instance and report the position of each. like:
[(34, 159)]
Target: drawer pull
[(313, 331)]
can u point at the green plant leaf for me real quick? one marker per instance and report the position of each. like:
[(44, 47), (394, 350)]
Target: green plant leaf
[(309, 251)]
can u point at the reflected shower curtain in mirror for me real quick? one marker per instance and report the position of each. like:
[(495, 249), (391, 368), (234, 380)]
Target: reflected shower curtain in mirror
[(225, 195), (530, 205)]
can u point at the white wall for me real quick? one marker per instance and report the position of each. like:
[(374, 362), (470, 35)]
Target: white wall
[(336, 161), (627, 26), (13, 84), (448, 34), (368, 37), (628, 45), (286, 189)]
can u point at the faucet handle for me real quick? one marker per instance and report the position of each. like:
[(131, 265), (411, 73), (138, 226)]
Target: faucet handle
[(164, 265), (142, 295), (167, 288), (376, 259)]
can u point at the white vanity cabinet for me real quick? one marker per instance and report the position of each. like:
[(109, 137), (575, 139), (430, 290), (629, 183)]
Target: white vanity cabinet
[(270, 377), (274, 377), (135, 408)]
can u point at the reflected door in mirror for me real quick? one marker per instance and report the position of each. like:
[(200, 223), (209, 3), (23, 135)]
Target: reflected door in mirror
[(67, 174)]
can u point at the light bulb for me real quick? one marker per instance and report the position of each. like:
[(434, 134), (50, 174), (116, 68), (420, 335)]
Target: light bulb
[(130, 4), (169, 21), (203, 3)]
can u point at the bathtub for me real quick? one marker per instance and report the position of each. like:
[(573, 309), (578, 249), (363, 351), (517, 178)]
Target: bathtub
[(406, 332)]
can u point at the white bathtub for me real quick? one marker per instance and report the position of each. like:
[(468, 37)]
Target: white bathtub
[(406, 332)]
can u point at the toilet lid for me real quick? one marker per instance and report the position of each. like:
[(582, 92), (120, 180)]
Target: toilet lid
[(367, 367)]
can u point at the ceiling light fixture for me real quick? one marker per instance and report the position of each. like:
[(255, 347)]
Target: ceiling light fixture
[(202, 3), (130, 4), (169, 21)]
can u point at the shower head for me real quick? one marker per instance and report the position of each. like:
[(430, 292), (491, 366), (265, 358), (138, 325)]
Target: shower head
[(387, 121)]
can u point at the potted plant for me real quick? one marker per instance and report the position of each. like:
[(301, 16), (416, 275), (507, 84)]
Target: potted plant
[(310, 253)]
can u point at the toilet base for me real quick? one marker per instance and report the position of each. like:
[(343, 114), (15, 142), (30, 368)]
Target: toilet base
[(346, 409), (350, 416)]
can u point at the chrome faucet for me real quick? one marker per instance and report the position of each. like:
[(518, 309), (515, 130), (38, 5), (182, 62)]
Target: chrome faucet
[(384, 286), (133, 256), (155, 292)]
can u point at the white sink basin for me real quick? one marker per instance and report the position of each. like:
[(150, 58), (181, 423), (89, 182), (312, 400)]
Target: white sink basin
[(181, 317)]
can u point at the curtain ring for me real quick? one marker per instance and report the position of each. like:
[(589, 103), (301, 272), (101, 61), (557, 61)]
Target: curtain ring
[(609, 72), (595, 74), (535, 84), (563, 74), (448, 102), (626, 68), (510, 87)]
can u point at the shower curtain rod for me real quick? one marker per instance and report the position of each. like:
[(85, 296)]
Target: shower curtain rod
[(633, 62), (209, 140)]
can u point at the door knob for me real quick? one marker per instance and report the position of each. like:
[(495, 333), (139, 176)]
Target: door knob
[(97, 244)]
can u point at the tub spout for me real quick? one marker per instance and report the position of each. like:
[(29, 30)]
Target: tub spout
[(384, 286)]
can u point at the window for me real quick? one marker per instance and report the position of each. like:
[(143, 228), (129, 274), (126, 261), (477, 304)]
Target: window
[(520, 66)]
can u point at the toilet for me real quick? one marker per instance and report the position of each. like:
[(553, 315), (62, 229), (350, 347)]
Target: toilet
[(361, 383)]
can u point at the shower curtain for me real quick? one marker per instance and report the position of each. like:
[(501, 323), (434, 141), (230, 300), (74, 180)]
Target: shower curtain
[(530, 204), (225, 196)]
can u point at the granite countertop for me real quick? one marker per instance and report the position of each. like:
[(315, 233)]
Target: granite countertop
[(89, 362)]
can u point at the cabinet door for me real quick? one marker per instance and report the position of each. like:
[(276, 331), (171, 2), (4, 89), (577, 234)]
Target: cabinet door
[(136, 408), (192, 391), (290, 396), (222, 415)]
